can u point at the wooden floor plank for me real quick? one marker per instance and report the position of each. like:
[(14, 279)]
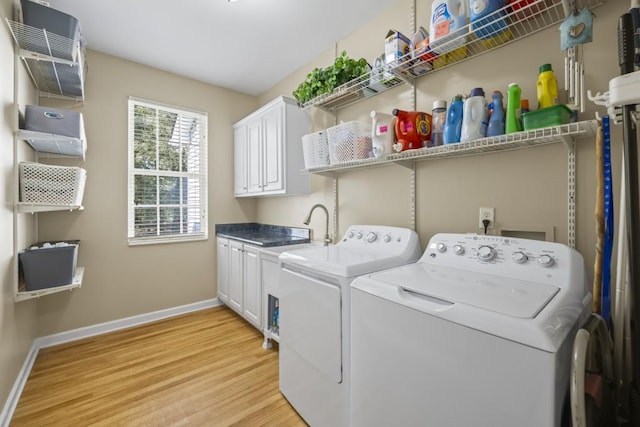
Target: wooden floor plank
[(206, 368)]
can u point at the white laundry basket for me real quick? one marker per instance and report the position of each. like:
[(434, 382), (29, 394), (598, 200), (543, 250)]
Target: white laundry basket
[(315, 148), (349, 141), (51, 185)]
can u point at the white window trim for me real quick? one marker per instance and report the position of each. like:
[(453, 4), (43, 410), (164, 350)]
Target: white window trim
[(131, 172)]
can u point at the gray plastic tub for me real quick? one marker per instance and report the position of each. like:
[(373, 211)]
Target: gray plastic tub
[(49, 267)]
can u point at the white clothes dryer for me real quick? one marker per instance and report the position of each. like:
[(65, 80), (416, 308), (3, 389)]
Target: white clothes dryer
[(477, 333), (314, 315)]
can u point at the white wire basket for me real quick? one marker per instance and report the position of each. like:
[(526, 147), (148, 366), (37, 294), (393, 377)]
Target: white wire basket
[(349, 141), (51, 185), (315, 148)]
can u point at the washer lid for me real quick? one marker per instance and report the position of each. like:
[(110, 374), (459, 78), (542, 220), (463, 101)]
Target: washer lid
[(515, 298), (340, 261)]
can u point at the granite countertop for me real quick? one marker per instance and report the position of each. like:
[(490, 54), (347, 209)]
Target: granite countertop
[(264, 235)]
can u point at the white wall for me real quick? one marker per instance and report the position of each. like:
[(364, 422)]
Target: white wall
[(527, 187)]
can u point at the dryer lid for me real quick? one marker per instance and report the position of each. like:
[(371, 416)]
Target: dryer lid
[(515, 298)]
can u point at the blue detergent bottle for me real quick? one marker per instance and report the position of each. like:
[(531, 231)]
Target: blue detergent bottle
[(453, 124), (486, 17), (496, 121)]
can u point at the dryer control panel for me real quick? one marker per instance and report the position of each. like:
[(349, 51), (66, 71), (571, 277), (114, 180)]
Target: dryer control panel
[(520, 259)]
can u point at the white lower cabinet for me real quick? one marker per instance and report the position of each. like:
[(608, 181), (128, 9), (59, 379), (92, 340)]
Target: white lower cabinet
[(222, 255), (239, 285), (252, 287)]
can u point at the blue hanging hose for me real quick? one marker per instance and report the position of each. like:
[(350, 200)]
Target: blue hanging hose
[(608, 213)]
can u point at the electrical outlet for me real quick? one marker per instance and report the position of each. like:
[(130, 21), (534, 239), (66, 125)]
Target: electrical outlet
[(487, 213)]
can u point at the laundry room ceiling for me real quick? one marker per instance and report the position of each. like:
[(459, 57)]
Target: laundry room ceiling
[(246, 45)]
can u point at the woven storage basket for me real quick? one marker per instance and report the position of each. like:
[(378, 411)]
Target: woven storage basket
[(51, 185), (315, 148), (349, 141)]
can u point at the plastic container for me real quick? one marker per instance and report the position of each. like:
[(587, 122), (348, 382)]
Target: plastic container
[(496, 120), (382, 133), (513, 120), (448, 25), (315, 149), (547, 87), (53, 21), (453, 124), (54, 120), (551, 116), (486, 18), (438, 118), (51, 264), (474, 116), (413, 130), (349, 141), (51, 185)]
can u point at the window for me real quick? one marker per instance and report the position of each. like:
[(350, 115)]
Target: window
[(167, 174)]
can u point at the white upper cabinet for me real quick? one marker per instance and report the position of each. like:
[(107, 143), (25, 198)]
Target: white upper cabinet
[(268, 156)]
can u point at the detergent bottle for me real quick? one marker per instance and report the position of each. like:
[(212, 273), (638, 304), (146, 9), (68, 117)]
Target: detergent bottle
[(382, 133), (448, 30), (486, 17), (547, 87), (513, 121), (496, 120), (474, 116), (413, 129), (453, 124)]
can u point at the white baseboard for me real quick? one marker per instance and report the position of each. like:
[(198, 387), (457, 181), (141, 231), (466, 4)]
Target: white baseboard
[(18, 386), (86, 332), (127, 322)]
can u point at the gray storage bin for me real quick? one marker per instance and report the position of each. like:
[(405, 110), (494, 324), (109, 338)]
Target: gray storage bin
[(54, 120), (40, 16), (49, 267)]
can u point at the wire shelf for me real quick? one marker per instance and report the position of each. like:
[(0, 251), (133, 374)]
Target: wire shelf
[(533, 138), (519, 23), (23, 294), (56, 64)]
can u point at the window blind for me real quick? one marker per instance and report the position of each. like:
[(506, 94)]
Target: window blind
[(167, 183)]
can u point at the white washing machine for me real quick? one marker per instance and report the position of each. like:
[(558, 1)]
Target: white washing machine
[(314, 315), (477, 333)]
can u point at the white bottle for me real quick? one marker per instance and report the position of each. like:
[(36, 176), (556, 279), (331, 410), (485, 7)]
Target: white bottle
[(474, 116), (382, 133), (448, 25)]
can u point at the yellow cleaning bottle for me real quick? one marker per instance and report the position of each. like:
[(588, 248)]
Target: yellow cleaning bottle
[(547, 87)]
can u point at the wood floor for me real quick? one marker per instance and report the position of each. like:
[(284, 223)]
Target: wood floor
[(206, 368)]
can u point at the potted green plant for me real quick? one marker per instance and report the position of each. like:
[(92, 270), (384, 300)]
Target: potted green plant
[(322, 81)]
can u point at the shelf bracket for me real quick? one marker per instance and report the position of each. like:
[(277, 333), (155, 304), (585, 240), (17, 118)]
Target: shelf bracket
[(568, 142)]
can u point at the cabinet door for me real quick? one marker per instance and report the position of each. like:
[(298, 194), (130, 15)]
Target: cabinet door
[(223, 270), (253, 156), (240, 160), (252, 287), (235, 276), (272, 123)]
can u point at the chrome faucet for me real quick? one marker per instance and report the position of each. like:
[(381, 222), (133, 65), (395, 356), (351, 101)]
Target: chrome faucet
[(327, 240)]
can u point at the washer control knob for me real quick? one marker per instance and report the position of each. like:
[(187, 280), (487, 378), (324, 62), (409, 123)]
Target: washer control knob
[(458, 250), (350, 235), (371, 237), (358, 235), (486, 253), (441, 247), (546, 261), (519, 257), (387, 238)]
